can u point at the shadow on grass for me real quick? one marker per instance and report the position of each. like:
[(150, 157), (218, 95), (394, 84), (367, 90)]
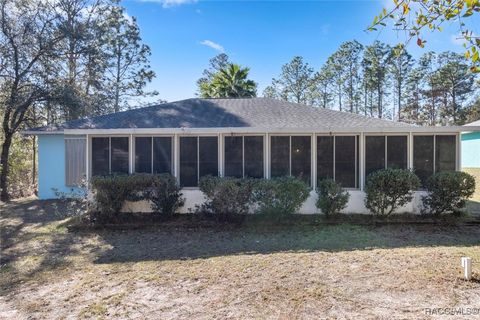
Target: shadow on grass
[(32, 241), (181, 244)]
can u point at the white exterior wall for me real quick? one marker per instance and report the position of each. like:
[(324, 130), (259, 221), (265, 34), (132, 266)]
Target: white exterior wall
[(356, 204)]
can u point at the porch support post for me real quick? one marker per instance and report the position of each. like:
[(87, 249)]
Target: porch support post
[(361, 159), (410, 151), (87, 158), (130, 158), (313, 162), (221, 171), (176, 157), (267, 156)]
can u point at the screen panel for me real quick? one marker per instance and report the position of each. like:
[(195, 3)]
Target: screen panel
[(397, 152), (119, 155), (253, 156), (301, 157), (280, 156), (162, 154), (234, 157), (345, 161), (445, 153), (188, 161), (423, 157), (374, 154), (100, 156), (208, 156), (324, 157), (143, 154)]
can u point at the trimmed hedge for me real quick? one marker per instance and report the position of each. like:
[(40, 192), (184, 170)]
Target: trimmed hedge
[(226, 197), (280, 197), (111, 192), (389, 189), (332, 198), (448, 192)]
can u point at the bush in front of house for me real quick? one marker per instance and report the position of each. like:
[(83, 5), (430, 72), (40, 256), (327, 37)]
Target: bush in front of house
[(164, 194), (448, 192), (280, 197), (389, 189), (227, 198), (111, 192), (332, 198)]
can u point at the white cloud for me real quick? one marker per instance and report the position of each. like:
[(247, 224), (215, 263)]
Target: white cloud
[(170, 3), (213, 45)]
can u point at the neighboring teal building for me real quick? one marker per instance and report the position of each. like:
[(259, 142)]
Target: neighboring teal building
[(471, 148)]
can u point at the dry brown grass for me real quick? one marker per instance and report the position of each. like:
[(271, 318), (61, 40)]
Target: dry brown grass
[(335, 271)]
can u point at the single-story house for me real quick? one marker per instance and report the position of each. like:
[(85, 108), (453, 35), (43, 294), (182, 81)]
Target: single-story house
[(248, 137), (471, 153)]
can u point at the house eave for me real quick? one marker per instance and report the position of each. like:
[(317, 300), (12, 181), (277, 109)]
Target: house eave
[(321, 130)]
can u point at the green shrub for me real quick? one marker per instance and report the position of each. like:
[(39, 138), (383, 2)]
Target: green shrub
[(111, 192), (332, 198), (448, 192), (280, 197), (389, 189), (226, 197), (164, 194)]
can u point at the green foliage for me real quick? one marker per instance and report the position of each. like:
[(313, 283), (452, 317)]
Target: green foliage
[(296, 83), (111, 192), (164, 194), (229, 82), (332, 198), (416, 16), (389, 189), (20, 174), (280, 197), (448, 192), (226, 197)]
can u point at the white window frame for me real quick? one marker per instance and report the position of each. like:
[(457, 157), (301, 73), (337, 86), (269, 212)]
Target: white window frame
[(358, 150), (151, 136), (386, 135), (457, 147), (90, 151), (197, 135), (243, 150), (312, 184)]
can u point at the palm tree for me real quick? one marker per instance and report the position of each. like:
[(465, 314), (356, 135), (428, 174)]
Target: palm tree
[(229, 82)]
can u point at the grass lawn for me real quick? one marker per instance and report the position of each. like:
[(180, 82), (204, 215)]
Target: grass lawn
[(302, 271)]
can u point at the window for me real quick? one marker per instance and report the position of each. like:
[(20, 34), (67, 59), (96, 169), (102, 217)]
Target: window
[(244, 156), (337, 159), (198, 158), (434, 153), (74, 161), (110, 155), (119, 155), (291, 155), (153, 154), (346, 161), (385, 152), (445, 153), (324, 157)]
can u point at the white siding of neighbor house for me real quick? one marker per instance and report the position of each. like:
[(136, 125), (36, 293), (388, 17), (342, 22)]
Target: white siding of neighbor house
[(195, 197)]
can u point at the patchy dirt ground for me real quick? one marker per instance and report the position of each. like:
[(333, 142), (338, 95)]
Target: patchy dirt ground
[(335, 271)]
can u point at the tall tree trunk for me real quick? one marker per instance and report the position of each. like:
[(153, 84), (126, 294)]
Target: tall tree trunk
[(4, 196)]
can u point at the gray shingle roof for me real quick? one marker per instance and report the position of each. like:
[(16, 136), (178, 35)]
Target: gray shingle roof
[(474, 123), (225, 113)]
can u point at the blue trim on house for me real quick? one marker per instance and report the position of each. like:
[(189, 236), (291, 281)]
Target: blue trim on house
[(471, 150), (51, 166)]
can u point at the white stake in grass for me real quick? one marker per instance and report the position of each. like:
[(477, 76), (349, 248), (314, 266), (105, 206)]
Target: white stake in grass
[(467, 267)]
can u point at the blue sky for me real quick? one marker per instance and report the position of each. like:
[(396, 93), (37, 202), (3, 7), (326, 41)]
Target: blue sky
[(263, 35)]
